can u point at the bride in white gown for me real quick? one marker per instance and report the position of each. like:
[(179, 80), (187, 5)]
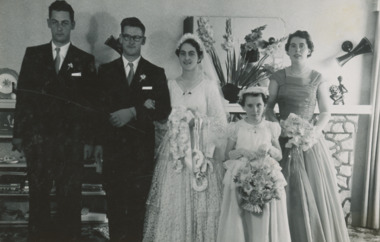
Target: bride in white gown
[(186, 193)]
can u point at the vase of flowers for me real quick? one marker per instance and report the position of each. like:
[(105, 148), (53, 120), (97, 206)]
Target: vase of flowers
[(248, 68)]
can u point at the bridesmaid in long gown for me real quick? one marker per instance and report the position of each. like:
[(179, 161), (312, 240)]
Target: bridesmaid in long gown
[(314, 210)]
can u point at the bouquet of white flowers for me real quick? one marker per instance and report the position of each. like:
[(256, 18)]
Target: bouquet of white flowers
[(300, 132), (182, 151), (179, 137), (259, 181)]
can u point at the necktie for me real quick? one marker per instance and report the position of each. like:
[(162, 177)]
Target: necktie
[(131, 73), (57, 60)]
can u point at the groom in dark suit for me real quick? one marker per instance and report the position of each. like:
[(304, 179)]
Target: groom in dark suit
[(52, 126), (135, 93)]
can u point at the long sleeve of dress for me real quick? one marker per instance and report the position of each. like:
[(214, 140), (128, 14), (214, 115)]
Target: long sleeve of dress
[(217, 121)]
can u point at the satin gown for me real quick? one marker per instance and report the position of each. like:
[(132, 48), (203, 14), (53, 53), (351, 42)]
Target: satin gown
[(239, 225), (314, 209)]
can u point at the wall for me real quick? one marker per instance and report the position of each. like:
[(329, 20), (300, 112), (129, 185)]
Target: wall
[(23, 23)]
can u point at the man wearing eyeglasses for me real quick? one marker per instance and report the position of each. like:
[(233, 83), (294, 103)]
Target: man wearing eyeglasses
[(135, 93), (51, 130)]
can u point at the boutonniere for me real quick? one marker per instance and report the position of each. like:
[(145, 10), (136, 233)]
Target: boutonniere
[(142, 77), (70, 66)]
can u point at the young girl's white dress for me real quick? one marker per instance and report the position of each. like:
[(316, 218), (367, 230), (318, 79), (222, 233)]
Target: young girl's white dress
[(239, 225)]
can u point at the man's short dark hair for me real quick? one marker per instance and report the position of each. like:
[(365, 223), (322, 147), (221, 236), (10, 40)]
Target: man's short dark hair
[(61, 6), (132, 22)]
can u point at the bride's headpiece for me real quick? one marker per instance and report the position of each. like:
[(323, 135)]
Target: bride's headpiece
[(193, 37), (254, 90)]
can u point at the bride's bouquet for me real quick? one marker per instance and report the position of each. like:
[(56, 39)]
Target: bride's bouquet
[(300, 132), (259, 181), (179, 137), (182, 151)]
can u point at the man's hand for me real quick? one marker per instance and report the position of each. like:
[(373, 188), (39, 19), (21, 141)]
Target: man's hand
[(17, 144), (121, 117), (98, 155), (150, 104), (87, 151)]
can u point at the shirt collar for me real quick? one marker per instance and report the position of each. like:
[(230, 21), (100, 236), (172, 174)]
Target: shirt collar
[(135, 62), (63, 49)]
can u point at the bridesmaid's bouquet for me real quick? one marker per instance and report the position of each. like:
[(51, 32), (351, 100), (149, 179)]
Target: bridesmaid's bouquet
[(258, 182), (300, 132)]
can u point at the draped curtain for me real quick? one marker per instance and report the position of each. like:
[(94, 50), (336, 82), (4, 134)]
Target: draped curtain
[(370, 216)]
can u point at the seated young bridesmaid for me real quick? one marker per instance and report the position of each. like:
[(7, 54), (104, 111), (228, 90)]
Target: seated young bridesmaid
[(254, 200)]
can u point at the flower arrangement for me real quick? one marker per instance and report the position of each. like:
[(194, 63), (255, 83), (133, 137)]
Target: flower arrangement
[(258, 181), (300, 132), (246, 70), (206, 34)]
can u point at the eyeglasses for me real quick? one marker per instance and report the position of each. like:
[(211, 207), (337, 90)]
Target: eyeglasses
[(136, 38)]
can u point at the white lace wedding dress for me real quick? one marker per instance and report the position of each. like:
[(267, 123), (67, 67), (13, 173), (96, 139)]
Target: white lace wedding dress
[(175, 210)]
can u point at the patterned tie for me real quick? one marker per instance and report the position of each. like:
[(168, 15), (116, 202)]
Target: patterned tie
[(131, 73), (57, 60)]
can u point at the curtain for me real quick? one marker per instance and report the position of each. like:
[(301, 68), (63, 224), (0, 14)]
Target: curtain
[(370, 216)]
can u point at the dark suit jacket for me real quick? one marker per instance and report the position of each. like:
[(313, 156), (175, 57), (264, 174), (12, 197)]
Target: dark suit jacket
[(52, 113), (149, 82)]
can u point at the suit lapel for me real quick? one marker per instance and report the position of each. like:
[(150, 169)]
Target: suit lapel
[(47, 58), (68, 59), (121, 69), (139, 72)]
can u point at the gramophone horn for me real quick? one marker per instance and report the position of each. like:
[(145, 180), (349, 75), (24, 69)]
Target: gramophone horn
[(114, 44), (363, 47)]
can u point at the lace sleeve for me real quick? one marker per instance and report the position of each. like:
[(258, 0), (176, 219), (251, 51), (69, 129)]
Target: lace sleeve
[(215, 111), (217, 121), (231, 131)]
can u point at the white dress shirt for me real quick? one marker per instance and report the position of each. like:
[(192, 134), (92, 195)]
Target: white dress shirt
[(62, 52), (126, 66)]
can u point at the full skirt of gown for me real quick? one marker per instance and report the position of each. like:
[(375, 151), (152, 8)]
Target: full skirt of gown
[(239, 225), (315, 214), (175, 211)]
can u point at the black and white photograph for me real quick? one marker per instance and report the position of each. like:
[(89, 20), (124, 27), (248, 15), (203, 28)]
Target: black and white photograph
[(189, 121)]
